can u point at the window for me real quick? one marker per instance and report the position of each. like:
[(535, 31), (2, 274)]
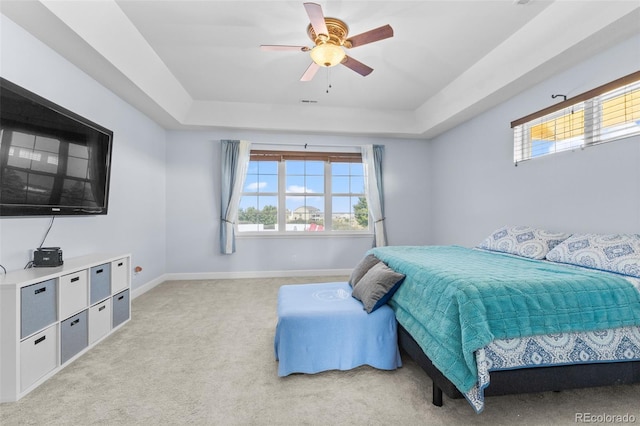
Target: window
[(298, 192), (604, 114)]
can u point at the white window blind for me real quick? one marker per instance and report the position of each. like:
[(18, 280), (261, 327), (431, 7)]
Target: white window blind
[(607, 113)]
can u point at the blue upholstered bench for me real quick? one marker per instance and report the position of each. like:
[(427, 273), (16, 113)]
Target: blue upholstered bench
[(321, 327)]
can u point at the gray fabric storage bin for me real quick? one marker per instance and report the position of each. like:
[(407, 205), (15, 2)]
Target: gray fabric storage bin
[(74, 333), (120, 308), (100, 282), (37, 307)]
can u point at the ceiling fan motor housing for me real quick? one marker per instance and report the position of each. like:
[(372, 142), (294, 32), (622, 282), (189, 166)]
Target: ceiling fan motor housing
[(338, 32)]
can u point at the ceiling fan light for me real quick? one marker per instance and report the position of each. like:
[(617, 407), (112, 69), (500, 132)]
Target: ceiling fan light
[(327, 54)]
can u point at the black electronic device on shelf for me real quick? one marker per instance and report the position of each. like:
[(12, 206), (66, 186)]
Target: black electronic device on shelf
[(47, 257)]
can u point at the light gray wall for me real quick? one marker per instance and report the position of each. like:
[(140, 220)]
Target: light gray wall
[(165, 186), (475, 187), (193, 207), (136, 219)]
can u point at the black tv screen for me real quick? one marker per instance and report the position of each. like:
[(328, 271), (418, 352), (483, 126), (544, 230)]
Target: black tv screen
[(52, 161)]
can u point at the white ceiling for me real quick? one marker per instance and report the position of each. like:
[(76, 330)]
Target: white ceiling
[(198, 63)]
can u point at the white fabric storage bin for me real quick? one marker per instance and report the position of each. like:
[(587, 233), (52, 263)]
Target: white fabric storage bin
[(38, 356), (99, 320), (119, 275), (74, 293)]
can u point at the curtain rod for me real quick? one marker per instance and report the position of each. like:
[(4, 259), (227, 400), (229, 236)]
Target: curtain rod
[(615, 84), (304, 145)]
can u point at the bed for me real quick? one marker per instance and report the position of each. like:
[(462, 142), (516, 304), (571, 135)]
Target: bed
[(503, 318)]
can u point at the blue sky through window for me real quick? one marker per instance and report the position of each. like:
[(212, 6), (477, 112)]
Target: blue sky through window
[(303, 178)]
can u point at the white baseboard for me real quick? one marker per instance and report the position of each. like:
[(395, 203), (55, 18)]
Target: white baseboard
[(138, 291), (256, 274), (189, 276)]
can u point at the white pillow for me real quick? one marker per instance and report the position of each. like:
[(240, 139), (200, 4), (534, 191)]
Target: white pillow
[(524, 241), (608, 252)]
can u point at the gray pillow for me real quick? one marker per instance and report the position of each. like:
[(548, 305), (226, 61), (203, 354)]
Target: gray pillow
[(362, 268), (377, 286)]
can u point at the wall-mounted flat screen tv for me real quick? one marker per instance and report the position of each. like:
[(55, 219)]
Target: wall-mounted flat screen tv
[(52, 161)]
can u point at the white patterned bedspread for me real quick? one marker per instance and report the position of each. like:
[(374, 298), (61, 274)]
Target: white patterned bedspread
[(612, 345)]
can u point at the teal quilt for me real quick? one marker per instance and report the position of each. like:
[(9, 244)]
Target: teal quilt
[(455, 300)]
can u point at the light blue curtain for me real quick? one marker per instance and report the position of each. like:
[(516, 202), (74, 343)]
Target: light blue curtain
[(235, 160), (372, 161)]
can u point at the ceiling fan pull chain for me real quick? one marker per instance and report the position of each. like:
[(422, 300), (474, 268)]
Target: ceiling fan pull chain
[(328, 80)]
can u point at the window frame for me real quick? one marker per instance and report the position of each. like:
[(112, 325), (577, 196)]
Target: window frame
[(351, 155), (591, 103)]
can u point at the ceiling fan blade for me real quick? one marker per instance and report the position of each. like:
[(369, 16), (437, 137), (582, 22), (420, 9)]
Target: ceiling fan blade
[(357, 66), (370, 36), (316, 17), (310, 72), (280, 48)]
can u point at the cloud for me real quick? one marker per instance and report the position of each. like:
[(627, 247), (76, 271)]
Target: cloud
[(299, 189), (255, 186)]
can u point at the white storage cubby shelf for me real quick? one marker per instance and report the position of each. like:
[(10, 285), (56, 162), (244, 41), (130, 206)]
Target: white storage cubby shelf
[(51, 316)]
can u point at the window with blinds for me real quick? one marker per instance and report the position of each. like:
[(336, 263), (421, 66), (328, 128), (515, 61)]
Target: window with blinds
[(607, 113)]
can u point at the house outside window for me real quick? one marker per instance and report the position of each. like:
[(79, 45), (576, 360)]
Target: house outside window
[(608, 113), (293, 192)]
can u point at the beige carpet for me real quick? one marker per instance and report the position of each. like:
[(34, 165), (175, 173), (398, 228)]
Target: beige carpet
[(201, 352)]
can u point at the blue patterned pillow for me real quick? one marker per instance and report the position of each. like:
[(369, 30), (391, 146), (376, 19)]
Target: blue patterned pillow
[(611, 252), (523, 241)]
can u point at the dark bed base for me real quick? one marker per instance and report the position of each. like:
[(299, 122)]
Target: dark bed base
[(526, 380)]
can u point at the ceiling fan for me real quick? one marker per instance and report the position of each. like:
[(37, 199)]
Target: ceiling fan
[(330, 36)]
